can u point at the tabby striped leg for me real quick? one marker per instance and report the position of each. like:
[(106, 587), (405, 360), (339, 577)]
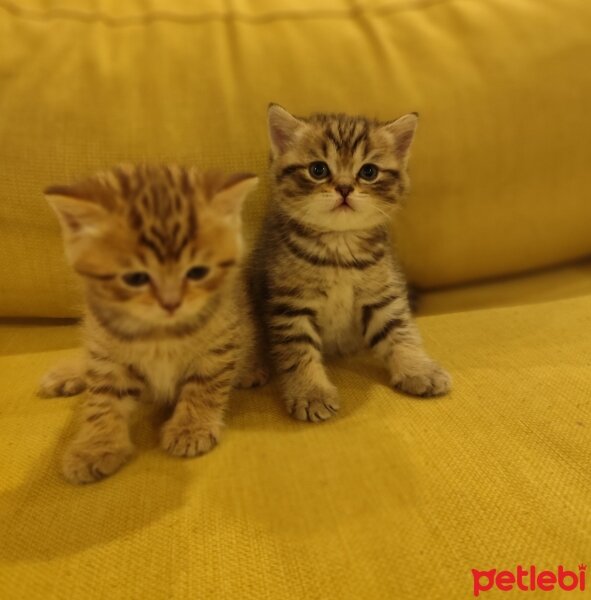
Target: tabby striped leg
[(102, 444), (393, 336), (296, 351), (195, 425)]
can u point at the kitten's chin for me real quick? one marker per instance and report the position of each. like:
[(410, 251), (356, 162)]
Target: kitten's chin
[(344, 220)]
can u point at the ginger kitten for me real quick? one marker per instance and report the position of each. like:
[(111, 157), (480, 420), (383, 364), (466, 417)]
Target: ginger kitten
[(323, 275), (158, 250)]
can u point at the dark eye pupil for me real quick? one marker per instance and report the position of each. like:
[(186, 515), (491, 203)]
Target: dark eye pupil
[(197, 273), (319, 170), (136, 279), (369, 171)]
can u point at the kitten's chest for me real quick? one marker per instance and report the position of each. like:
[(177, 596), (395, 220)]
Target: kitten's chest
[(163, 365), (337, 318)]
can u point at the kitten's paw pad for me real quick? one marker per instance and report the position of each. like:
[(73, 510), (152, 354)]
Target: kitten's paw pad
[(188, 440), (432, 380), (56, 383), (88, 464), (255, 378), (316, 406)]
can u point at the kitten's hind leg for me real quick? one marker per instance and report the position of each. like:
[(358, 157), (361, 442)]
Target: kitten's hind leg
[(66, 378), (256, 376), (251, 370)]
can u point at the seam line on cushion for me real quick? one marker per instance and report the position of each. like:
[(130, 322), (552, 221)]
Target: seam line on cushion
[(69, 14)]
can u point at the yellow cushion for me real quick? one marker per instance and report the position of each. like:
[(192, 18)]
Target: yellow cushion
[(500, 166), (542, 286), (395, 498)]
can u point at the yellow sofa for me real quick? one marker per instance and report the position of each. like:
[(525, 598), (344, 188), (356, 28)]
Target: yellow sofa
[(397, 497)]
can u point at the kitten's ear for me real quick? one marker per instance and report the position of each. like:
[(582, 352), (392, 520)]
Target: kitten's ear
[(77, 216), (282, 128), (230, 196), (403, 132), (82, 222)]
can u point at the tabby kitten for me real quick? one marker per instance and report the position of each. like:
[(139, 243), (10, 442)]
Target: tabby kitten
[(157, 249), (323, 273)]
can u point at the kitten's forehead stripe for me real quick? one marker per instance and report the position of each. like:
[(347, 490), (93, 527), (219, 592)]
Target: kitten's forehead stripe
[(124, 181), (361, 137), (159, 208), (185, 182), (155, 248), (136, 219), (332, 137), (169, 176), (159, 203)]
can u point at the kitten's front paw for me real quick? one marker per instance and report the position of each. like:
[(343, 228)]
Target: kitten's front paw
[(188, 439), (86, 463), (428, 379), (254, 378), (61, 381), (317, 405)]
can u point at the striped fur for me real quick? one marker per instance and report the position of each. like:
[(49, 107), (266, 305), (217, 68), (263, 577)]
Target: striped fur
[(323, 274), (174, 339)]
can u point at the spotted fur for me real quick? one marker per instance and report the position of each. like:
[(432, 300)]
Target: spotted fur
[(173, 339), (323, 275)]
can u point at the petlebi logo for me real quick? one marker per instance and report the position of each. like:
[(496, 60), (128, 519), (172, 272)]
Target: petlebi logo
[(529, 579)]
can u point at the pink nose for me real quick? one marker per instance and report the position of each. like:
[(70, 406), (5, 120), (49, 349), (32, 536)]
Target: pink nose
[(344, 190), (171, 306)]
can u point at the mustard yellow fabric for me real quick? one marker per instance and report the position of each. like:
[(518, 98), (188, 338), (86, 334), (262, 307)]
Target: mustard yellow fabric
[(501, 163), (569, 281), (397, 498)]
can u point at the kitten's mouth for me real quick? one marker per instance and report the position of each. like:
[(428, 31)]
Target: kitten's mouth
[(343, 205)]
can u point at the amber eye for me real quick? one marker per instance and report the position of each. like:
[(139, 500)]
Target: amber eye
[(319, 170), (136, 279), (197, 273), (368, 172)]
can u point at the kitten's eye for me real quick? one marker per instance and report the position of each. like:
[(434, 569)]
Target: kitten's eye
[(197, 273), (368, 172), (319, 170), (136, 279)]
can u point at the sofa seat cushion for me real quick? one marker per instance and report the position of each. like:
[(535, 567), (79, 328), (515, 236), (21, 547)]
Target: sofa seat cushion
[(394, 498)]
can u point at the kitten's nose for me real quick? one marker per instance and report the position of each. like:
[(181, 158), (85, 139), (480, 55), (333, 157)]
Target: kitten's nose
[(171, 306), (344, 190)]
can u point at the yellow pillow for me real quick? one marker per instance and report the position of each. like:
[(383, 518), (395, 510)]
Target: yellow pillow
[(500, 164)]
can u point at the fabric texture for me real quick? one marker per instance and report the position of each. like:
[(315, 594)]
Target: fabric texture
[(397, 498), (500, 163)]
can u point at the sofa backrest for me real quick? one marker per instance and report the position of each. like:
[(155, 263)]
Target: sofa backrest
[(500, 166)]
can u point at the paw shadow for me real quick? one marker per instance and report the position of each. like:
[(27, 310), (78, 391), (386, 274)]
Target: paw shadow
[(363, 372), (263, 408), (46, 517), (316, 460)]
